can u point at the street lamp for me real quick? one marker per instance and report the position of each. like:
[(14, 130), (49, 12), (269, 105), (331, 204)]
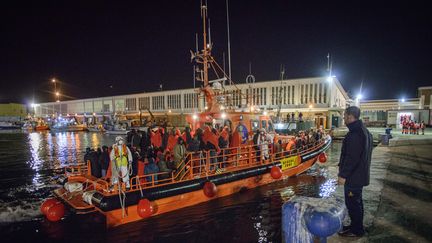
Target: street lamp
[(330, 78), (57, 94)]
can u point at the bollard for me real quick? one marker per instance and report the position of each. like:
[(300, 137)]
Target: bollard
[(306, 217), (293, 229)]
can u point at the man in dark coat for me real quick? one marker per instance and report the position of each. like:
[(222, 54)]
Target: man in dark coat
[(354, 169)]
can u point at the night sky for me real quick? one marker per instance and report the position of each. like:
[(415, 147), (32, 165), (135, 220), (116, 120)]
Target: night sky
[(102, 48)]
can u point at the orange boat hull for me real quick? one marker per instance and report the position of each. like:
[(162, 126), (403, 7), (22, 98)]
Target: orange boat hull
[(168, 204)]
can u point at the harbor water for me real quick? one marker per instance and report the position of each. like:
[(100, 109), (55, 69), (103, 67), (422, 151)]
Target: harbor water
[(30, 163)]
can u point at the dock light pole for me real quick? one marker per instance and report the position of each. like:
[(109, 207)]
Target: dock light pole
[(57, 94)]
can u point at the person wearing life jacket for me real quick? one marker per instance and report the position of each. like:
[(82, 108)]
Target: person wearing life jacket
[(223, 143), (179, 157), (156, 138), (291, 144), (263, 142), (172, 140), (121, 160)]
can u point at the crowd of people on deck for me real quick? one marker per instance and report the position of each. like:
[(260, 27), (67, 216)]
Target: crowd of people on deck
[(411, 126), (164, 151)]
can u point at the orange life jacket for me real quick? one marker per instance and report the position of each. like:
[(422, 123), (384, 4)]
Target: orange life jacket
[(124, 151)]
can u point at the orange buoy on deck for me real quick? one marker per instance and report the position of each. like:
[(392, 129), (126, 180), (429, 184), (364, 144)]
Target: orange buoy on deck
[(47, 204), (210, 189), (144, 208), (276, 172), (322, 157)]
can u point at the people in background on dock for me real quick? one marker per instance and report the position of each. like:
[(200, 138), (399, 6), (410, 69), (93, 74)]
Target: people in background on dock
[(411, 126), (354, 169), (121, 159), (422, 127)]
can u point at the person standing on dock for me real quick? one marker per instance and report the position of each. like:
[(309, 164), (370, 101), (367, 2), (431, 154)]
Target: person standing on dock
[(354, 169), (422, 127)]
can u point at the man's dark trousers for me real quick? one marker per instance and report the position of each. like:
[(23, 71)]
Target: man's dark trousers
[(354, 203)]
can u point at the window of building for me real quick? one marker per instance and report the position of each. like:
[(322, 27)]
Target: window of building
[(158, 102), (144, 103), (130, 104), (310, 93), (325, 93), (306, 100), (273, 96), (190, 100), (174, 101), (301, 94)]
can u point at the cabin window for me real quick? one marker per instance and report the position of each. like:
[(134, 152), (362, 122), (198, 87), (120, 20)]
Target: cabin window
[(264, 124), (254, 125), (228, 123), (270, 127)]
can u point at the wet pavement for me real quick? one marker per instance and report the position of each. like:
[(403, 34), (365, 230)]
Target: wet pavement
[(398, 201)]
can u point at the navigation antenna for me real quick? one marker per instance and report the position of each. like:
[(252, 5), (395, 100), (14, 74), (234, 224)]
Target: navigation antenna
[(279, 98)]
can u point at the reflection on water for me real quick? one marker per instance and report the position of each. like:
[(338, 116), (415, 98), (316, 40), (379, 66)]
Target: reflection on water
[(29, 163)]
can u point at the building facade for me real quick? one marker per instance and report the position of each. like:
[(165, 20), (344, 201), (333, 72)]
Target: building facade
[(425, 95), (389, 111), (318, 99), (12, 112)]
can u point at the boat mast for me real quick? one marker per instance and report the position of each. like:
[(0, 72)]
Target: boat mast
[(205, 47)]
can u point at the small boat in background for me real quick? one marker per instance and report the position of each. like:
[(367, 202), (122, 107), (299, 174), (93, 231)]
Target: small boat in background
[(41, 127), (8, 126), (27, 126), (31, 125), (67, 125), (116, 129), (96, 128)]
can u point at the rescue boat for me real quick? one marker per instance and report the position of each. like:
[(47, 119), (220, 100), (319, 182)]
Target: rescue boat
[(195, 181)]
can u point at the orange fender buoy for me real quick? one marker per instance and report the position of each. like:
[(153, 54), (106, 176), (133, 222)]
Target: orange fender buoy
[(276, 172), (210, 189), (144, 208), (47, 204), (56, 212), (322, 157)]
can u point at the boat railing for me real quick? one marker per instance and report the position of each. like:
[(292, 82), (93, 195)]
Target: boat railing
[(202, 164), (209, 162)]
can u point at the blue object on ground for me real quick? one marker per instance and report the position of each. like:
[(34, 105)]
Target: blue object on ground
[(293, 229), (384, 139), (305, 217)]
